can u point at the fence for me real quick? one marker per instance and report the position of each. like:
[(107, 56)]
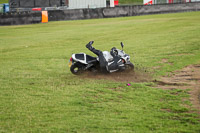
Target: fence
[(76, 14)]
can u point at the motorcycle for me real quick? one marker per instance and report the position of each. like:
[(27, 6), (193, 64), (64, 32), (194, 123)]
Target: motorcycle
[(82, 62)]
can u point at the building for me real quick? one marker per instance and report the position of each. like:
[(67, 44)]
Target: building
[(71, 4), (74, 4)]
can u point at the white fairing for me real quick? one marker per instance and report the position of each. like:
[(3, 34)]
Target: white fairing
[(123, 55), (78, 60), (107, 56)]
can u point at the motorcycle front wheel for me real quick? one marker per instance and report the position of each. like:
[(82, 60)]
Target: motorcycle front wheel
[(76, 68), (129, 67)]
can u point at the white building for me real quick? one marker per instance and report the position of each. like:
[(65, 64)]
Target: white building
[(75, 4)]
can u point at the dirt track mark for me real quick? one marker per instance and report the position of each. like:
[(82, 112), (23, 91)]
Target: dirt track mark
[(132, 76), (187, 78), (164, 60)]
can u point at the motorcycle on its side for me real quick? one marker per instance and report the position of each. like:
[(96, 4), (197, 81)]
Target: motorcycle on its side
[(82, 62)]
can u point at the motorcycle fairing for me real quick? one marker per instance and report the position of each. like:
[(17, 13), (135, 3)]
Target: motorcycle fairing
[(83, 58), (107, 56), (79, 56), (90, 59), (123, 55)]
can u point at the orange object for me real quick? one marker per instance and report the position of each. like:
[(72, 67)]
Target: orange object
[(44, 16)]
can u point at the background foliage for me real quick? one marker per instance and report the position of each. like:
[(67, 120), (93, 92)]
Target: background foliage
[(3, 1)]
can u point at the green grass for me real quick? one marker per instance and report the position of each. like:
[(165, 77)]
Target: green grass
[(39, 93), (3, 1), (132, 2)]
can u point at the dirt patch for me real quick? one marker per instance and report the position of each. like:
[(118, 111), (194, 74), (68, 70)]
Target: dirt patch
[(181, 54), (157, 67), (131, 76), (187, 78), (164, 60)]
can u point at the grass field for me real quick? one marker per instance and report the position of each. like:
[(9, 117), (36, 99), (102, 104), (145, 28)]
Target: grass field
[(39, 93), (135, 2)]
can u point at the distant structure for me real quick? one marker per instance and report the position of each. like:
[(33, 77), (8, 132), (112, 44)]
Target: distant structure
[(36, 3), (49, 4), (150, 2), (74, 4)]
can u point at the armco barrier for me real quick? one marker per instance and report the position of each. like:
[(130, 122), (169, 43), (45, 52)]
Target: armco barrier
[(76, 14), (121, 11), (20, 18)]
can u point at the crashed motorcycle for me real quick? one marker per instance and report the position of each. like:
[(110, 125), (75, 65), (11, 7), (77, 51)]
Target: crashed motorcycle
[(82, 62)]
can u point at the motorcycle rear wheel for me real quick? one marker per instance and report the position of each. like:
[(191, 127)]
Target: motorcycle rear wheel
[(76, 69)]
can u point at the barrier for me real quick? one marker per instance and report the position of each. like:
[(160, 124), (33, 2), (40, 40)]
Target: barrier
[(116, 2), (20, 18), (76, 14), (44, 16), (36, 9), (121, 11)]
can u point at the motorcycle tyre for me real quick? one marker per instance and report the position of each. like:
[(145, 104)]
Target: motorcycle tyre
[(76, 69), (129, 67)]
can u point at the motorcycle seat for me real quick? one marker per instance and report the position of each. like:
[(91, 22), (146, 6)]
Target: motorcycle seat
[(90, 59)]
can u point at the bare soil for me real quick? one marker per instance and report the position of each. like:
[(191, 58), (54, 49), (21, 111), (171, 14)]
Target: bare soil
[(131, 76), (187, 78)]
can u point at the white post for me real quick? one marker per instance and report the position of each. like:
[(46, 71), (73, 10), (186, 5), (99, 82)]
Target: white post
[(112, 3)]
